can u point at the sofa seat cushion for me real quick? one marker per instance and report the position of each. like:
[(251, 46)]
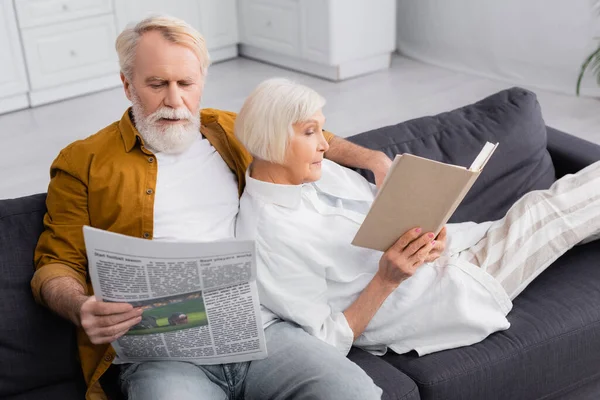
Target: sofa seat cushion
[(520, 164), (553, 345), (37, 348), (394, 383), (68, 390)]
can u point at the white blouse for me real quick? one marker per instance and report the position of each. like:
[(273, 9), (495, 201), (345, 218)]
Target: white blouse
[(309, 273)]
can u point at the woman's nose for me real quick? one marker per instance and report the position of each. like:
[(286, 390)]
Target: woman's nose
[(324, 145)]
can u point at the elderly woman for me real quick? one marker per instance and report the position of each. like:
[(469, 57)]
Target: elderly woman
[(424, 293)]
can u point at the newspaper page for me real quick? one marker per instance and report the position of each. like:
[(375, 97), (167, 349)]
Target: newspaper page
[(200, 301)]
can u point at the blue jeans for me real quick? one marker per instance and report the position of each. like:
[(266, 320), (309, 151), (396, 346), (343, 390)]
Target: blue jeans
[(299, 366)]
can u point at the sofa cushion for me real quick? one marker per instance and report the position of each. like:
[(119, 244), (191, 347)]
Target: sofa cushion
[(66, 390), (394, 384), (37, 348), (552, 347), (520, 164)]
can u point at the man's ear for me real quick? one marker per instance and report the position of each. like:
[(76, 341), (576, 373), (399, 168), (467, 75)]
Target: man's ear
[(126, 86)]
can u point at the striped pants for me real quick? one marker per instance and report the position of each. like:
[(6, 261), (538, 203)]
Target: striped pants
[(538, 229)]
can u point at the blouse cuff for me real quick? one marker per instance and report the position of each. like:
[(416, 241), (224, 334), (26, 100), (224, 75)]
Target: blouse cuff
[(343, 335)]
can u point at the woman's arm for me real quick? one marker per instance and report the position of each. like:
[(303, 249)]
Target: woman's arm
[(294, 291), (397, 264)]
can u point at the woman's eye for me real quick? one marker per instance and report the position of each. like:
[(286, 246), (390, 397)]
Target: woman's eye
[(310, 132)]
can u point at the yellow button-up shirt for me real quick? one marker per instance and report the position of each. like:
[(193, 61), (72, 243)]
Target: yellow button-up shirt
[(108, 181)]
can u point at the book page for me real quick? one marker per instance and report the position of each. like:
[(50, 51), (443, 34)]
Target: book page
[(483, 157)]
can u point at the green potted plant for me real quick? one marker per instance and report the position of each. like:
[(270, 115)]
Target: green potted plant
[(593, 62)]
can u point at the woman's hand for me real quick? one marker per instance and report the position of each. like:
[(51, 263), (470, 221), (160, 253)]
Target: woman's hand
[(438, 247), (401, 260)]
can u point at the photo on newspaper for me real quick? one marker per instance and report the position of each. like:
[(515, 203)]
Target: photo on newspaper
[(170, 314), (199, 300)]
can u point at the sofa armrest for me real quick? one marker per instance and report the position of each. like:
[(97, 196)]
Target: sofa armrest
[(570, 153)]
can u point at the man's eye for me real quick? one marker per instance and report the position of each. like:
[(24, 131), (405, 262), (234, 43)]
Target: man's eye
[(185, 84), (310, 132), (156, 85)]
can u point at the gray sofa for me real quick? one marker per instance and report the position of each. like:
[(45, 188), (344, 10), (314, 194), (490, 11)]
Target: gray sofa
[(552, 350)]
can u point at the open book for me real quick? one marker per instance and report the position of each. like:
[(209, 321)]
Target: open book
[(417, 192)]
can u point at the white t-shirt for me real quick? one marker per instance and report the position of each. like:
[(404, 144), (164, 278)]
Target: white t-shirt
[(196, 197), (309, 273)]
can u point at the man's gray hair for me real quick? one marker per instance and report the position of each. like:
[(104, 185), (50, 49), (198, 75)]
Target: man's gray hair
[(264, 124), (172, 29)]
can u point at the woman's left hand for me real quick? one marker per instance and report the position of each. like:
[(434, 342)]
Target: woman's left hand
[(438, 247)]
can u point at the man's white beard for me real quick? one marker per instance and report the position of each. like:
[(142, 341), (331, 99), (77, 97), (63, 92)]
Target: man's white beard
[(172, 139)]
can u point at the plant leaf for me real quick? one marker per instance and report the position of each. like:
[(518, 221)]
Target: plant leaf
[(584, 67), (595, 65)]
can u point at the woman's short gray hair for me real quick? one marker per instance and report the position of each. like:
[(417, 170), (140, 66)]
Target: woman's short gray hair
[(264, 124)]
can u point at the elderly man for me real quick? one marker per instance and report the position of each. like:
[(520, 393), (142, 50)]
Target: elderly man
[(153, 175)]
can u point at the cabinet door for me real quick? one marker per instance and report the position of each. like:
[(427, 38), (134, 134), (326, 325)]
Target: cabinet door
[(13, 79), (219, 23), (271, 25), (70, 52), (315, 31), (216, 20), (45, 12)]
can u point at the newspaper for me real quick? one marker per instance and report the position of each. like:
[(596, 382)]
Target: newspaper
[(199, 300)]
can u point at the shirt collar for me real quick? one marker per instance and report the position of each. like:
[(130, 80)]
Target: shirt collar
[(128, 131), (289, 196)]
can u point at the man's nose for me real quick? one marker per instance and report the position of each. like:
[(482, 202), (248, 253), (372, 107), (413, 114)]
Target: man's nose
[(173, 97)]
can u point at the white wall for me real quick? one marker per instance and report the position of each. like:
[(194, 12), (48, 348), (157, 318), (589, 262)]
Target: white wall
[(538, 43)]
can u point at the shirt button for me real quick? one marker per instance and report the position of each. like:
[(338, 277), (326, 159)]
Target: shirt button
[(149, 191), (150, 159), (108, 358), (146, 235)]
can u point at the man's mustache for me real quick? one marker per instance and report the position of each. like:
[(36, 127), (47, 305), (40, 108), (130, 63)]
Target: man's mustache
[(170, 113)]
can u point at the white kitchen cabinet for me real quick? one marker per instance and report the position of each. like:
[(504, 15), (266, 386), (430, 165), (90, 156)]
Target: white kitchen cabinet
[(13, 78), (71, 51), (216, 20), (44, 12), (334, 39), (68, 46)]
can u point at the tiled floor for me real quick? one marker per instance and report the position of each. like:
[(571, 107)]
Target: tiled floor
[(30, 139)]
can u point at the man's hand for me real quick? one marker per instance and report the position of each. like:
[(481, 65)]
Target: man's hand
[(380, 166), (106, 322), (352, 155), (401, 260), (438, 247)]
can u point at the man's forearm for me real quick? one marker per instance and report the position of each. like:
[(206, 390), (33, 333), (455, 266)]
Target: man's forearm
[(347, 153), (64, 296)]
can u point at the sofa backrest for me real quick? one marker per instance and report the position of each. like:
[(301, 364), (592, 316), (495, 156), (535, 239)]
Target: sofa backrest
[(37, 348), (520, 164)]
